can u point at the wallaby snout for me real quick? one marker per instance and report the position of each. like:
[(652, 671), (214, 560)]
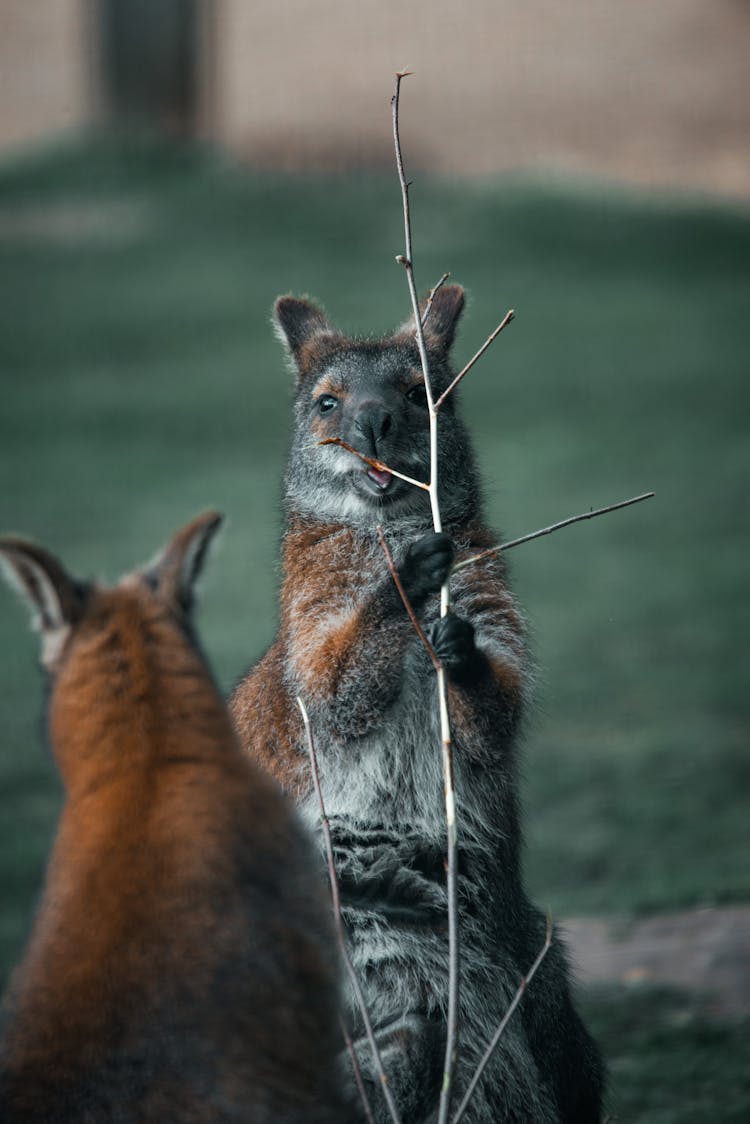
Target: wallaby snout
[(372, 423)]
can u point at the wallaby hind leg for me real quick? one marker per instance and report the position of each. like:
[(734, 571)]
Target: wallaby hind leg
[(411, 1050)]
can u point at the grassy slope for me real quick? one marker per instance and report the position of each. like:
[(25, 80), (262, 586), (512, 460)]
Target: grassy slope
[(140, 383), (666, 1063)]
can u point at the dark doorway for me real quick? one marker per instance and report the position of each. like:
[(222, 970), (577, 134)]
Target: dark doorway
[(149, 62)]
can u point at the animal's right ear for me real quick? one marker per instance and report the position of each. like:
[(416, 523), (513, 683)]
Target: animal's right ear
[(174, 572), (299, 324), (56, 600)]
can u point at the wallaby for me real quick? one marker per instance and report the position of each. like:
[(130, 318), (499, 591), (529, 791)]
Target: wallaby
[(346, 645), (182, 964)]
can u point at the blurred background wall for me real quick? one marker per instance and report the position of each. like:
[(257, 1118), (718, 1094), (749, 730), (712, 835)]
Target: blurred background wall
[(652, 94)]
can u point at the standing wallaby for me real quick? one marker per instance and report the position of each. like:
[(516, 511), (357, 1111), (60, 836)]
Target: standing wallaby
[(346, 646), (181, 967)]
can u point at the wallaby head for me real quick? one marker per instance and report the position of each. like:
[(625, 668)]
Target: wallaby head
[(370, 393), (89, 631)]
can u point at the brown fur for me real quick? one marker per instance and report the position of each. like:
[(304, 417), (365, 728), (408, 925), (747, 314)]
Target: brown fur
[(328, 571), (181, 967)]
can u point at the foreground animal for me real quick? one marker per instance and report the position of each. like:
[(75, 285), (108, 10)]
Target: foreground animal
[(346, 645), (181, 966)]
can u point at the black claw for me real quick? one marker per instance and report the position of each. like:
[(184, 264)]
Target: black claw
[(426, 565), (453, 640)]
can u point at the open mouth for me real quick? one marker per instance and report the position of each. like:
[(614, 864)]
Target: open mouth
[(380, 478)]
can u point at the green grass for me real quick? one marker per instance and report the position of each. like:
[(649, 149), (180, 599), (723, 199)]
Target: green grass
[(666, 1063), (141, 383)]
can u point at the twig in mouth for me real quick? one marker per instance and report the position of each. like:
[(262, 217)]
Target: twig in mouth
[(374, 462)]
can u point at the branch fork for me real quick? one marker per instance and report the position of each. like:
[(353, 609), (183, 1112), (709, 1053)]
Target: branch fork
[(420, 320)]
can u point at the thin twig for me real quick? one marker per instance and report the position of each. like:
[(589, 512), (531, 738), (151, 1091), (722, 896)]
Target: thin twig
[(548, 530), (373, 462), (407, 604), (357, 1072), (430, 299), (451, 1041), (525, 981), (510, 315), (406, 260), (339, 921)]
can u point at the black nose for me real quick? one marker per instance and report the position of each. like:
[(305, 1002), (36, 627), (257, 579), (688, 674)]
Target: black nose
[(372, 423)]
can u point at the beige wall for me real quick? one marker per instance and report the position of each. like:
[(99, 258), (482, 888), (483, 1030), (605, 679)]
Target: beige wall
[(44, 87), (656, 93)]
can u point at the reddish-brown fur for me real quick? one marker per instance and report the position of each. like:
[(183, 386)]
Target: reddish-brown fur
[(181, 966), (326, 570)]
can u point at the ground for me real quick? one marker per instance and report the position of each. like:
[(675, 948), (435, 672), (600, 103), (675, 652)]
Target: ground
[(705, 952)]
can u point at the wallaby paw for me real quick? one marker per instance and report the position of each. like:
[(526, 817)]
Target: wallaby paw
[(426, 565), (453, 640)]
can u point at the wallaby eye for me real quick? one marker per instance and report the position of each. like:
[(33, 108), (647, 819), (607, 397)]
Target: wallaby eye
[(326, 403), (417, 395)]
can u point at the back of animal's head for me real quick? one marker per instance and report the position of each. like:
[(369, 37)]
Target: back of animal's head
[(89, 633), (370, 394)]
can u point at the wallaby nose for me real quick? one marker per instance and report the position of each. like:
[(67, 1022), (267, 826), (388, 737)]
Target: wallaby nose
[(372, 422)]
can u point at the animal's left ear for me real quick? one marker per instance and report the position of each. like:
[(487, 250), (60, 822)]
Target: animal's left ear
[(55, 598), (174, 572), (442, 321)]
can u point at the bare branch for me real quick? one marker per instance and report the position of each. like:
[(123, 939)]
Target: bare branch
[(525, 981), (357, 1072), (407, 604), (548, 530), (340, 932), (430, 299), (510, 315), (373, 462), (407, 260)]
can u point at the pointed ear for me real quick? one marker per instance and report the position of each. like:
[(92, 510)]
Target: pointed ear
[(299, 322), (56, 600), (441, 323), (174, 572)]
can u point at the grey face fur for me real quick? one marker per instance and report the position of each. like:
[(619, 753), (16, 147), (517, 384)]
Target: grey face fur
[(370, 394)]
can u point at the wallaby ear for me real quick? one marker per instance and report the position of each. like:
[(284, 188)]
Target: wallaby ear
[(174, 571), (440, 326), (299, 322), (56, 600)]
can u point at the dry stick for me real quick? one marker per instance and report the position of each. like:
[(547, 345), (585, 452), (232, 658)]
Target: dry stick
[(509, 315), (445, 730), (548, 530), (525, 981), (407, 604), (430, 299), (340, 932), (373, 462), (357, 1072)]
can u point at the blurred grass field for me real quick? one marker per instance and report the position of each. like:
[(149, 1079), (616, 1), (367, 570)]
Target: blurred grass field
[(141, 383)]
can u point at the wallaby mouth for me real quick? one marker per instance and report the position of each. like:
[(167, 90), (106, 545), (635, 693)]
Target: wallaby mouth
[(381, 478)]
